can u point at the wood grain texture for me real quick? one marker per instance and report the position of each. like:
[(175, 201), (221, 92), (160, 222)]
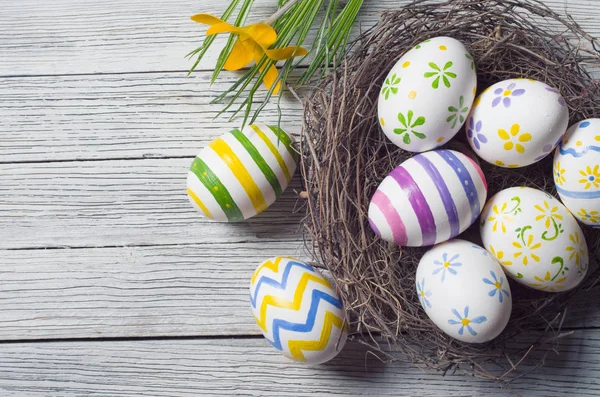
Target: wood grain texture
[(112, 36), (179, 290), (121, 203), (148, 115), (250, 367)]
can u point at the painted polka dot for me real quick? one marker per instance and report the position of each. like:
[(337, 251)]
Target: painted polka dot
[(228, 205), (406, 64), (440, 139), (578, 143), (443, 48), (412, 94), (584, 124), (204, 173), (215, 188), (466, 183), (474, 90), (597, 138), (459, 169), (382, 121)]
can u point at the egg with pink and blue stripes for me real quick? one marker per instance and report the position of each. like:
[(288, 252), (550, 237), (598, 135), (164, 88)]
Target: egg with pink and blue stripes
[(430, 198)]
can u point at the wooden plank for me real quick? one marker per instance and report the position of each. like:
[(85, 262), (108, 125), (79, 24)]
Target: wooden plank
[(178, 290), (121, 203), (112, 36), (250, 367), (118, 116)]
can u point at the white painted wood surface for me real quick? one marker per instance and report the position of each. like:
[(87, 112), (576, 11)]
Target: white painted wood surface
[(98, 125)]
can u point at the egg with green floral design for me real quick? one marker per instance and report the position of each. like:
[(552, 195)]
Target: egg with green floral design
[(577, 171), (517, 122), (464, 291), (535, 238), (426, 96)]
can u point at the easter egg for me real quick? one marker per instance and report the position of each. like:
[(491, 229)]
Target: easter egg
[(297, 310), (241, 173), (577, 171), (535, 239), (463, 290), (516, 122), (427, 94), (429, 198)]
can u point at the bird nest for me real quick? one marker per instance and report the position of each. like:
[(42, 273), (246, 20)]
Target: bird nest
[(346, 156)]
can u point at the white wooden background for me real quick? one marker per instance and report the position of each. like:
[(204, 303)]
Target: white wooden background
[(110, 283)]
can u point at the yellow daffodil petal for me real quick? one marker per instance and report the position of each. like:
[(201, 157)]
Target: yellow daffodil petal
[(270, 78), (223, 27), (206, 19), (241, 55), (263, 34), (281, 54)]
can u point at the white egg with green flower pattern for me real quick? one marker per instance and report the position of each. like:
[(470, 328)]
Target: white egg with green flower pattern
[(427, 95), (464, 291), (535, 238)]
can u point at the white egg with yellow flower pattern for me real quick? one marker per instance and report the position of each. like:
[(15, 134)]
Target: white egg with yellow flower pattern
[(577, 171), (241, 173), (516, 122), (535, 238)]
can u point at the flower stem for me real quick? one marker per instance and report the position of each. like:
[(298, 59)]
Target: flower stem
[(280, 12)]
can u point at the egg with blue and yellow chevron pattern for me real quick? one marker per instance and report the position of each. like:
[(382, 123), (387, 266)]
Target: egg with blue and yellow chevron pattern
[(241, 173), (298, 311)]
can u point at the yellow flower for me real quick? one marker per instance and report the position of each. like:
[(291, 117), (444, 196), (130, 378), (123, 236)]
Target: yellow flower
[(253, 42), (498, 217), (559, 174), (514, 133), (500, 256), (577, 250), (547, 213), (592, 177), (591, 216), (546, 283), (526, 250)]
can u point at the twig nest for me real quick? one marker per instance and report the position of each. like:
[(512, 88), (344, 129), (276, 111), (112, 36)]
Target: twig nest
[(346, 156)]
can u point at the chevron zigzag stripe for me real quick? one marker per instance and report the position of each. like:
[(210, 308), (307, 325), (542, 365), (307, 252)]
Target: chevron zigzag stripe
[(295, 303), (297, 346), (271, 265), (278, 324), (274, 283)]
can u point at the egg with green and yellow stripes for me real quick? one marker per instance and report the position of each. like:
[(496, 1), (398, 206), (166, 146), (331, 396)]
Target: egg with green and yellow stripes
[(241, 173)]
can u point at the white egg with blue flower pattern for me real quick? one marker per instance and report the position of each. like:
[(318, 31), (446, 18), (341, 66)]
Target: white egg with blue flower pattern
[(464, 291)]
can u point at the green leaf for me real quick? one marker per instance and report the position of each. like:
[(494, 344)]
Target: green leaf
[(434, 66), (419, 121), (449, 119), (461, 101), (406, 139), (430, 74), (394, 90), (419, 135), (519, 275), (448, 65), (436, 83), (387, 81), (397, 80), (410, 115), (450, 74), (402, 120), (465, 109), (446, 82), (462, 119), (452, 109), (399, 130)]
